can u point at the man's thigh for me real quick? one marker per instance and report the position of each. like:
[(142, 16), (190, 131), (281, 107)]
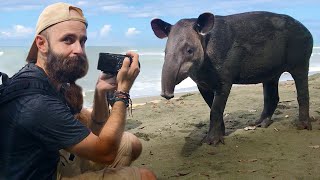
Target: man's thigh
[(74, 166)]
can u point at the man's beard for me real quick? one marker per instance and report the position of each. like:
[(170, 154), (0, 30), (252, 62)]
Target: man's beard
[(63, 72), (66, 69)]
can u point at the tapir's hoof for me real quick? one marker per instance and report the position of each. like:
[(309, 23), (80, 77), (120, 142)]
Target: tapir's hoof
[(264, 123), (304, 125), (214, 140)]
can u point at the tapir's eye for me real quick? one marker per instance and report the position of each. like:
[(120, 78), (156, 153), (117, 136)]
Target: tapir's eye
[(190, 51)]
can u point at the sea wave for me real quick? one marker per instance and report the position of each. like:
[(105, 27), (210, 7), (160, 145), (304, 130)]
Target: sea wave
[(161, 53), (1, 53), (142, 53), (314, 69), (152, 54), (132, 50), (187, 83), (84, 93)]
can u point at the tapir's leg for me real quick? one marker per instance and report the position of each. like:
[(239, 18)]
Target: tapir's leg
[(217, 129), (207, 95), (271, 99), (300, 76)]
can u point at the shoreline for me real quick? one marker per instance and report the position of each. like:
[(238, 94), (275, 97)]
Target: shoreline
[(155, 99), (139, 101)]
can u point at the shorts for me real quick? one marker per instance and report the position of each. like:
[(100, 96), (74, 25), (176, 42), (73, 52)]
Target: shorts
[(73, 167)]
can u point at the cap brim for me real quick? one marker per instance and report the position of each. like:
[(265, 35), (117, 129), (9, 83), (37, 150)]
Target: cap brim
[(32, 56)]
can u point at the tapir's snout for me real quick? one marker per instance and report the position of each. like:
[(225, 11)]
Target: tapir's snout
[(167, 96)]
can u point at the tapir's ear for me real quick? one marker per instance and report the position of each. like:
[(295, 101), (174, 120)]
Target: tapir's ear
[(160, 28), (204, 23)]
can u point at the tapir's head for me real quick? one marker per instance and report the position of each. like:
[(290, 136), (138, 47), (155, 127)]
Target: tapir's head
[(184, 52)]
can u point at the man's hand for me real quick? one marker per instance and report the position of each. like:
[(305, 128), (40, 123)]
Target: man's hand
[(102, 145), (100, 113), (106, 83), (128, 73)]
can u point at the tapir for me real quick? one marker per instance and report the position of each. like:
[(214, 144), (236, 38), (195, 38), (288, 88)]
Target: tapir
[(245, 48)]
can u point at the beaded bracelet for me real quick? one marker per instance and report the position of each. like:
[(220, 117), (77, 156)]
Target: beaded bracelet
[(121, 96), (126, 101)]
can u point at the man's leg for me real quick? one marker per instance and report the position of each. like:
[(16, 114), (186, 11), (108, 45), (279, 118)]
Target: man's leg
[(129, 150)]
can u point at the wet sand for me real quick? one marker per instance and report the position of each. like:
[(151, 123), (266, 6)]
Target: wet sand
[(171, 133)]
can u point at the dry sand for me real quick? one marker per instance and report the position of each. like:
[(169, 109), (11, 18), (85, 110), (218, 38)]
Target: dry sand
[(171, 132)]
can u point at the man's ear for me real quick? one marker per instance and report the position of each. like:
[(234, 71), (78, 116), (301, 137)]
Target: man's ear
[(42, 44)]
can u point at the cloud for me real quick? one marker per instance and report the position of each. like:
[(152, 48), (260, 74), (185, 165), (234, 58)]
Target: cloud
[(21, 30), (105, 30), (132, 31), (116, 8), (17, 31), (5, 34), (135, 11), (81, 3), (177, 8), (188, 8), (144, 14), (18, 6)]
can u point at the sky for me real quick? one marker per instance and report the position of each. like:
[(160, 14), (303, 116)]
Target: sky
[(127, 22)]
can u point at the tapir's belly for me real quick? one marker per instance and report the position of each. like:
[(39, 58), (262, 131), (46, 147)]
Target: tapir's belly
[(257, 72), (259, 64), (255, 78)]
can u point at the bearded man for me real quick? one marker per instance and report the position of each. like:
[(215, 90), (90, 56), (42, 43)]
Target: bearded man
[(44, 114)]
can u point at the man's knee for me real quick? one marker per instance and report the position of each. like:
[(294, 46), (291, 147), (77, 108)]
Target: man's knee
[(146, 174), (136, 146)]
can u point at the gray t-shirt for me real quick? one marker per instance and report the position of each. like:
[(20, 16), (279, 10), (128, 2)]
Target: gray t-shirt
[(33, 129)]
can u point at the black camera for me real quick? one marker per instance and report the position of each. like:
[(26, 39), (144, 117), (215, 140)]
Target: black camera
[(110, 63)]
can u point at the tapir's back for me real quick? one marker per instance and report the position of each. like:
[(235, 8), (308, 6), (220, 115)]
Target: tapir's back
[(260, 25), (264, 42)]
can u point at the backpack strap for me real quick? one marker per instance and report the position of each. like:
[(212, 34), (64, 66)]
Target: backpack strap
[(24, 87), (4, 82), (26, 82), (4, 78)]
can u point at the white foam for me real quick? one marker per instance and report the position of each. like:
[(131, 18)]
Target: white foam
[(133, 50), (314, 69), (147, 53), (187, 83), (1, 53), (152, 54), (87, 91)]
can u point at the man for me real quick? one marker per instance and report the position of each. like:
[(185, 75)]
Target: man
[(35, 126)]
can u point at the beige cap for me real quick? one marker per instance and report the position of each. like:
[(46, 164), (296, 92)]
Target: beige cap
[(51, 15)]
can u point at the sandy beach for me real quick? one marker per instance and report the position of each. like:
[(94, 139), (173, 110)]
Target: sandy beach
[(171, 132)]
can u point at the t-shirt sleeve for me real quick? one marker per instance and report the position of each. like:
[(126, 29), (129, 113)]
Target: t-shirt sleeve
[(50, 120)]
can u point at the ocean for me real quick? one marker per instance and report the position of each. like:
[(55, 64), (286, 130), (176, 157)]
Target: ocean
[(147, 84)]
